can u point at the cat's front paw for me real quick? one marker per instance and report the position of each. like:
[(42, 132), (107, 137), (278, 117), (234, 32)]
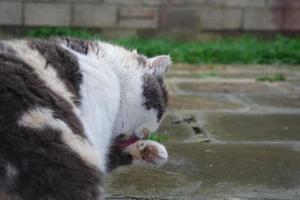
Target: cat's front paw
[(153, 152)]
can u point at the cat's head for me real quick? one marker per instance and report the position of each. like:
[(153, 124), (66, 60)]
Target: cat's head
[(144, 96)]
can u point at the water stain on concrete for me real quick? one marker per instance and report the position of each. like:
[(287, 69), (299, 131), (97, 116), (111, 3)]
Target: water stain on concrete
[(254, 127)]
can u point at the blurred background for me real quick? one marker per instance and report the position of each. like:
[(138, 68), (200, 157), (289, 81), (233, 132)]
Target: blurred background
[(233, 124)]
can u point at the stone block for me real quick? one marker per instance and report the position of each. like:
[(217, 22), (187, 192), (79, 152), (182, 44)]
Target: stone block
[(232, 19), (138, 23), (283, 3), (179, 18), (221, 19), (276, 3), (246, 3), (138, 17), (262, 19), (124, 2), (154, 2), (50, 14), (118, 33), (212, 19), (163, 2), (98, 15), (64, 1), (10, 13), (173, 2), (291, 19), (146, 2), (254, 127), (207, 2), (138, 12)]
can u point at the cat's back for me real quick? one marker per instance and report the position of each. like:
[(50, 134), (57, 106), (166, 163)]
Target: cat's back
[(16, 77), (27, 80)]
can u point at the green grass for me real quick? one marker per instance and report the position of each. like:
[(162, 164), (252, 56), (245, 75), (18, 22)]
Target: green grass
[(158, 137), (46, 32), (243, 50), (272, 78)]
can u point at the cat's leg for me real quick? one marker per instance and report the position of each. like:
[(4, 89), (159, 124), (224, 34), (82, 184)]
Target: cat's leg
[(44, 153), (53, 172), (46, 164), (138, 152), (117, 156), (47, 169), (147, 151)]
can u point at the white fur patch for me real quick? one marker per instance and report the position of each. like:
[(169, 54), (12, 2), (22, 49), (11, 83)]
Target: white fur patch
[(100, 98), (132, 117), (35, 60), (112, 95), (40, 118), (162, 154), (135, 150)]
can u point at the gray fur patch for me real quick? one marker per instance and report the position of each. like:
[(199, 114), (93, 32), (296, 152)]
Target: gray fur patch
[(117, 157), (81, 46), (6, 49), (142, 60), (155, 94), (64, 62)]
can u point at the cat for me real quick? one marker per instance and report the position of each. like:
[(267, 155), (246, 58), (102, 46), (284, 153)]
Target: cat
[(71, 111)]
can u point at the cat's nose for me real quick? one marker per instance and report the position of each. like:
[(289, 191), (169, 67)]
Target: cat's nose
[(146, 133), (142, 133)]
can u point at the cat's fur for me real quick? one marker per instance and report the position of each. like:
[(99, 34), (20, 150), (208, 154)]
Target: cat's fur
[(65, 104)]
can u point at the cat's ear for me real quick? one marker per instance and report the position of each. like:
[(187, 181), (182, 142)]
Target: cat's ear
[(159, 65)]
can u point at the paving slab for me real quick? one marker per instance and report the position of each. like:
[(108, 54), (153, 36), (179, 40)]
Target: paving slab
[(227, 139), (201, 102), (228, 87), (198, 170), (231, 72), (292, 87), (254, 127), (253, 72), (174, 127), (276, 101)]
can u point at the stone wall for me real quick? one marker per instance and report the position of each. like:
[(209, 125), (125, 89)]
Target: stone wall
[(178, 17)]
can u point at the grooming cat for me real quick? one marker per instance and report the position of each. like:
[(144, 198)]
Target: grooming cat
[(71, 111)]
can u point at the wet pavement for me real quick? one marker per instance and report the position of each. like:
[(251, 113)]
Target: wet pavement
[(230, 137)]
